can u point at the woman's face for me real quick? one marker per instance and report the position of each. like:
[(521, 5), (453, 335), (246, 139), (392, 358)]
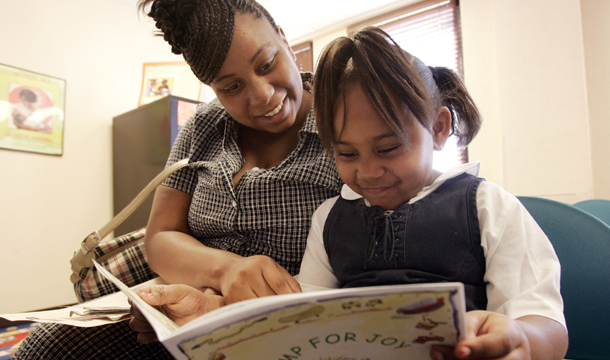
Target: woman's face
[(259, 83)]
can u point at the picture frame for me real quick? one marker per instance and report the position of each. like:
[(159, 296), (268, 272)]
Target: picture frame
[(168, 78), (32, 107)]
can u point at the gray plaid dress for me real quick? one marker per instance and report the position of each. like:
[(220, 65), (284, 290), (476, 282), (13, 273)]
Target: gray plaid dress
[(267, 213)]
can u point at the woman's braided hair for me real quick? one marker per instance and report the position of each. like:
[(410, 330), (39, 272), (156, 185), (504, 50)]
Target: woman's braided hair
[(201, 30)]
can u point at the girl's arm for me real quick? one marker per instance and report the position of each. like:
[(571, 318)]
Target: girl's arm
[(548, 339), (524, 318), (179, 258)]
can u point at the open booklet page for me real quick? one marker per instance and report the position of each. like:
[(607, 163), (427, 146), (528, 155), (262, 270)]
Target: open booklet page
[(381, 323)]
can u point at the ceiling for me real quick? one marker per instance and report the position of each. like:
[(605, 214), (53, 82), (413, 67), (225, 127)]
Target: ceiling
[(325, 15), (319, 16)]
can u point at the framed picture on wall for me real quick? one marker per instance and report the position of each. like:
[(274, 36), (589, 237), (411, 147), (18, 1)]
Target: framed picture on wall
[(168, 78), (32, 109)]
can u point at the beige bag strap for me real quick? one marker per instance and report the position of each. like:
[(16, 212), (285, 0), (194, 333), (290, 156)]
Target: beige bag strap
[(95, 237), (83, 257)]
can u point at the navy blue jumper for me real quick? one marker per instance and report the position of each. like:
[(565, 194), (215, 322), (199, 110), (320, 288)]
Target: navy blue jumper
[(435, 239)]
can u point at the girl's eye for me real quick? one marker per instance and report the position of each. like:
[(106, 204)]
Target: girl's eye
[(388, 150), (347, 154)]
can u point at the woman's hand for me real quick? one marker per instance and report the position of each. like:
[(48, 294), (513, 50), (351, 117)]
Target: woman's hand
[(253, 277), (180, 303), (491, 335)]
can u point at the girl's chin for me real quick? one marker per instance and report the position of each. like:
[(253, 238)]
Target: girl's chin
[(388, 203)]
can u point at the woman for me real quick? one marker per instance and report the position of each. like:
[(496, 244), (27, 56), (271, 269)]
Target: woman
[(236, 221)]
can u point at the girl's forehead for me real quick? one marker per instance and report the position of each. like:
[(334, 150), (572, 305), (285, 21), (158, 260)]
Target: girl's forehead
[(354, 109), (356, 114)]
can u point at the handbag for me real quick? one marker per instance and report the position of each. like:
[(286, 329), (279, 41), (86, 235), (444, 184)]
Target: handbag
[(124, 256)]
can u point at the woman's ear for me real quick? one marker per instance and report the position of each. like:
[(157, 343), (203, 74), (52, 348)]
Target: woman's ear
[(285, 41), (441, 128)]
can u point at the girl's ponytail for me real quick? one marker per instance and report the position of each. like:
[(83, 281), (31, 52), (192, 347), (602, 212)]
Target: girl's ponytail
[(465, 117)]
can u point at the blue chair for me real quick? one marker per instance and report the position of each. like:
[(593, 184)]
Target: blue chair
[(582, 244), (597, 207)]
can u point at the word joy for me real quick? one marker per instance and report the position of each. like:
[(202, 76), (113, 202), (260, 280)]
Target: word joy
[(296, 352)]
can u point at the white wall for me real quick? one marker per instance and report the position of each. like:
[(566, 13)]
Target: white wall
[(596, 31), (525, 65), (48, 203)]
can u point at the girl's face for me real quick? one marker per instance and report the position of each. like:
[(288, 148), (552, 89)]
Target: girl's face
[(259, 83), (373, 161)]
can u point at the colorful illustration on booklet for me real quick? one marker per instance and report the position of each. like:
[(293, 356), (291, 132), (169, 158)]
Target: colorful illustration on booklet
[(400, 325), (426, 305), (428, 324), (211, 341), (424, 339), (314, 311)]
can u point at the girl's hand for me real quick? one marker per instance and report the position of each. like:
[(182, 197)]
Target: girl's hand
[(180, 303), (254, 277), (488, 336)]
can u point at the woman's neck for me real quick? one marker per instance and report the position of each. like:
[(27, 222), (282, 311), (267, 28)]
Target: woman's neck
[(265, 150)]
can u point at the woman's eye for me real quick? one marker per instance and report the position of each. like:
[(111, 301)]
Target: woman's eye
[(268, 65), (347, 154), (231, 88)]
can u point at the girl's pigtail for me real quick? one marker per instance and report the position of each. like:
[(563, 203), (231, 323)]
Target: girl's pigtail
[(465, 117)]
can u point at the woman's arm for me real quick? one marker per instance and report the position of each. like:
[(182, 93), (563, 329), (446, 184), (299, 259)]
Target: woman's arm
[(179, 258)]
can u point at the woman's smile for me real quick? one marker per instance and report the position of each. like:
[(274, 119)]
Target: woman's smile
[(276, 110), (276, 116)]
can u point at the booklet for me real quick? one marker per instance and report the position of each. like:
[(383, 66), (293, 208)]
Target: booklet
[(382, 322)]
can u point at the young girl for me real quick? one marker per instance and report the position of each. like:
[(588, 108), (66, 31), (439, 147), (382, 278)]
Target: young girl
[(381, 112)]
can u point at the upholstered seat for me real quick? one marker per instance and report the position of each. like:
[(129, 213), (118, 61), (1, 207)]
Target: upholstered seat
[(582, 243)]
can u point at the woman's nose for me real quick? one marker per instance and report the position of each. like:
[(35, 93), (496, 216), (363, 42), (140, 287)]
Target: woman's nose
[(261, 92)]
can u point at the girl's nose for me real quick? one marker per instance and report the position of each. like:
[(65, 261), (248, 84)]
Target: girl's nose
[(370, 169), (261, 92)]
